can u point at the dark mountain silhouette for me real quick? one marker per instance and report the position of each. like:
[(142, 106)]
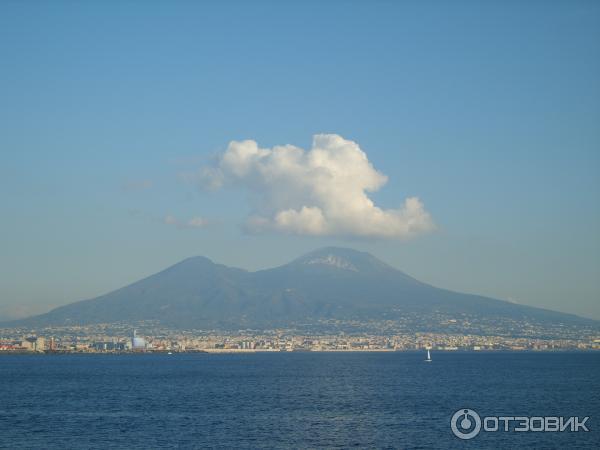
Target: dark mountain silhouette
[(329, 283)]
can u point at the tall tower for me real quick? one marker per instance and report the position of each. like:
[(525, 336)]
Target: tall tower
[(137, 343)]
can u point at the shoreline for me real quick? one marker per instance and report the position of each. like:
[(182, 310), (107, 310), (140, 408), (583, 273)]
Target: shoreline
[(268, 351)]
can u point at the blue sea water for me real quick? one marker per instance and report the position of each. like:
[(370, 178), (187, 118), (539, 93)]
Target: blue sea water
[(290, 400)]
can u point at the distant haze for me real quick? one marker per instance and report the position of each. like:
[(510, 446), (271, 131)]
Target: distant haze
[(329, 289)]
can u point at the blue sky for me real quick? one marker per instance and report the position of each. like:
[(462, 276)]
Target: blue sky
[(488, 112)]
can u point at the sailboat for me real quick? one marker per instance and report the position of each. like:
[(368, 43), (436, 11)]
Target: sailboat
[(428, 356)]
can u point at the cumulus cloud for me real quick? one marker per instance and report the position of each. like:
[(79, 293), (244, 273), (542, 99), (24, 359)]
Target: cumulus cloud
[(194, 222), (320, 191)]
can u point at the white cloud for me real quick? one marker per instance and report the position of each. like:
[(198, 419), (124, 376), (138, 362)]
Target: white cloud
[(197, 222), (322, 191), (194, 222)]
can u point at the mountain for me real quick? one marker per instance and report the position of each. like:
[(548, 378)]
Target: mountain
[(329, 285)]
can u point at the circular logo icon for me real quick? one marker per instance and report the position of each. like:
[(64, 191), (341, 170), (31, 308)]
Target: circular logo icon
[(465, 424)]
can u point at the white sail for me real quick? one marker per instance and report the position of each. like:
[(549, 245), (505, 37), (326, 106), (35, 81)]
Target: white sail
[(428, 356)]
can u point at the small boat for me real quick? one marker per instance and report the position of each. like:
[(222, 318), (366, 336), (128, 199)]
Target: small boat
[(428, 356), (170, 353)]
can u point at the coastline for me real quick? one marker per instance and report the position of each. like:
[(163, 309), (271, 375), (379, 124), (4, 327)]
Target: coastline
[(270, 351)]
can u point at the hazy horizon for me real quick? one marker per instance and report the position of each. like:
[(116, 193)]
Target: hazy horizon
[(328, 248), (458, 143)]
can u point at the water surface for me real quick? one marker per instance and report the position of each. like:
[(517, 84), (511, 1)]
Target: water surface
[(283, 400)]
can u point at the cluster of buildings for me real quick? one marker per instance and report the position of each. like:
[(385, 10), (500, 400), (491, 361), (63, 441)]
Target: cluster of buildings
[(39, 344), (281, 341), (27, 344)]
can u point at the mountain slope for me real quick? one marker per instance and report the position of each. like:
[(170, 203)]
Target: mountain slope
[(329, 283)]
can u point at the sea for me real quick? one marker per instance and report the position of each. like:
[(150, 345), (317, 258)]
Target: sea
[(296, 400)]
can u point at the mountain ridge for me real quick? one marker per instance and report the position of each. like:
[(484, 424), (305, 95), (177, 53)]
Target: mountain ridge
[(324, 285)]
